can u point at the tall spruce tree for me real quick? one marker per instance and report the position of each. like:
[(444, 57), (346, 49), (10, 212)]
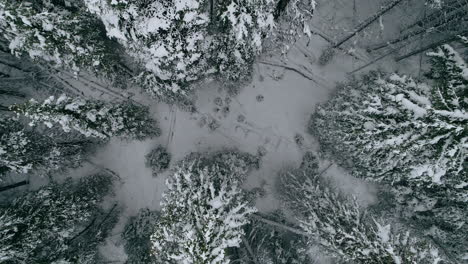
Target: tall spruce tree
[(23, 150), (392, 130), (410, 135), (91, 118), (61, 33), (56, 224), (340, 226), (179, 42), (203, 212)]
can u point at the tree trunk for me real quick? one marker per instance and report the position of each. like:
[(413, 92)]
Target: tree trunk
[(75, 143), (11, 186), (431, 46), (249, 249), (8, 64), (451, 20), (376, 59), (4, 108), (281, 226), (211, 11), (11, 93), (367, 22), (435, 15), (107, 216), (325, 170), (82, 231)]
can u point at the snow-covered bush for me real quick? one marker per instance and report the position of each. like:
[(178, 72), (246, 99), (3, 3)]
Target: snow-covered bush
[(179, 42), (90, 117), (203, 213), (22, 150), (62, 33), (137, 233), (158, 160), (56, 224), (342, 228)]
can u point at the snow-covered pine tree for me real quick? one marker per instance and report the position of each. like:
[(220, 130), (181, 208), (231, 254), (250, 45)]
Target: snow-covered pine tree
[(341, 227), (179, 42), (137, 235), (23, 150), (239, 29), (410, 135), (57, 223), (91, 118), (61, 33), (392, 130), (203, 213), (165, 37)]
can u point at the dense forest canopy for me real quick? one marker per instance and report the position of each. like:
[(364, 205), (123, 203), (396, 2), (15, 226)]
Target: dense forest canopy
[(233, 131)]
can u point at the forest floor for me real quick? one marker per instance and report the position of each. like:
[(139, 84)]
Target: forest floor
[(266, 116)]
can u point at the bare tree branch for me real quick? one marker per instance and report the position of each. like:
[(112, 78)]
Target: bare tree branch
[(15, 185), (368, 21), (281, 226)]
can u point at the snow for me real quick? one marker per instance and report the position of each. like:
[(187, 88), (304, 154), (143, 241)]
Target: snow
[(435, 174), (160, 52), (383, 232), (155, 23), (417, 110), (456, 114)]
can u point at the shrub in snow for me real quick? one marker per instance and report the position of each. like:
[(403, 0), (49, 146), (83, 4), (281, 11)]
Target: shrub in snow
[(202, 212), (179, 42), (22, 150), (56, 224), (137, 233), (90, 117), (158, 159), (339, 226), (62, 33)]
